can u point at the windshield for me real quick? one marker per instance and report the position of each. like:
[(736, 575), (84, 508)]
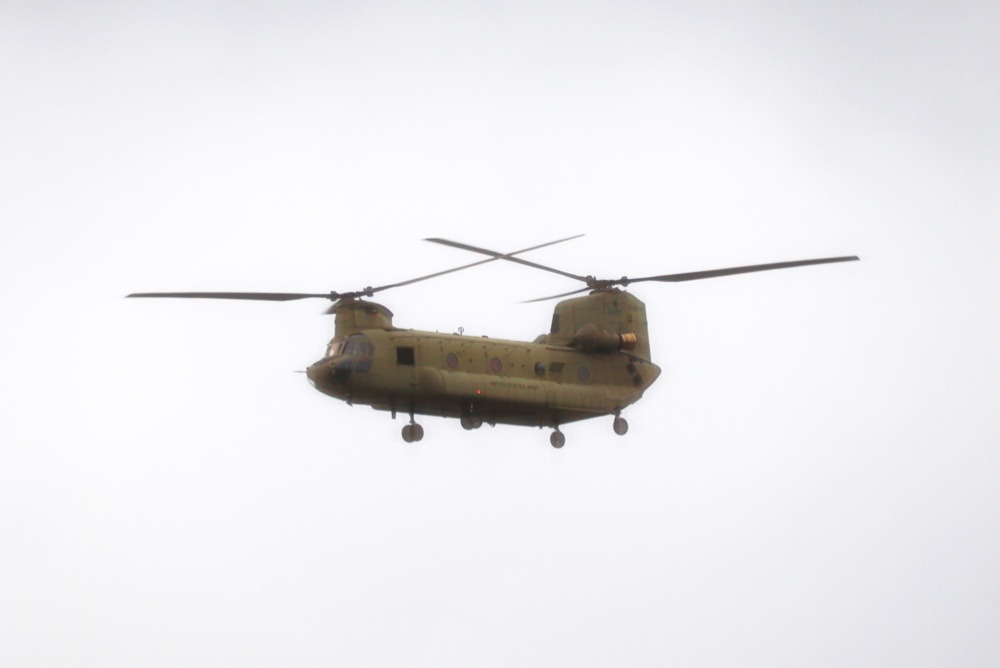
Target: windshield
[(358, 344), (334, 348)]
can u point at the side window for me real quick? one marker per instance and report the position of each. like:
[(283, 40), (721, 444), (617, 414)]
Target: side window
[(404, 356)]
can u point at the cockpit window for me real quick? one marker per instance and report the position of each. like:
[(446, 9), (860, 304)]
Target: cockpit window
[(334, 348), (360, 346)]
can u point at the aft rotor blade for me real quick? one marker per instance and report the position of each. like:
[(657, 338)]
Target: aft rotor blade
[(565, 294), (509, 256), (714, 273), (499, 256), (254, 296)]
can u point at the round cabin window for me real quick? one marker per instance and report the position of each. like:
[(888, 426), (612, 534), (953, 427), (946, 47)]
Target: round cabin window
[(451, 359), (495, 364), (584, 374), (539, 369)]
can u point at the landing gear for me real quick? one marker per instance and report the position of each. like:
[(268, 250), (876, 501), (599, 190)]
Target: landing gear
[(412, 432), (470, 422), (620, 426), (557, 439)]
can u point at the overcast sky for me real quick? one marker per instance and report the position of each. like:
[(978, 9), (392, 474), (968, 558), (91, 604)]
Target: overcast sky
[(812, 481)]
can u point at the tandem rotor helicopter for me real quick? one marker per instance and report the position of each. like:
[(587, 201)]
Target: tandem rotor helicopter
[(594, 362)]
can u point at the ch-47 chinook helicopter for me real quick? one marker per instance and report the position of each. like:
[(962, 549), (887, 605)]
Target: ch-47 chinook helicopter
[(595, 361)]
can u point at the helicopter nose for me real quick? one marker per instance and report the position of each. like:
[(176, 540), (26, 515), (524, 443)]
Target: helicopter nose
[(320, 372), (329, 374)]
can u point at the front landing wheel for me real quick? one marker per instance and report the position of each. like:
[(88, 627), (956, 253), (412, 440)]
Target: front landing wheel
[(620, 426), (557, 439), (412, 432)]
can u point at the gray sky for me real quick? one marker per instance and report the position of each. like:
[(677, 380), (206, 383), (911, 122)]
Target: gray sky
[(813, 480)]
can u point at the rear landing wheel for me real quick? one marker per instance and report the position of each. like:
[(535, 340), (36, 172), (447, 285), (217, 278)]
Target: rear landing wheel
[(557, 439), (470, 422), (621, 426)]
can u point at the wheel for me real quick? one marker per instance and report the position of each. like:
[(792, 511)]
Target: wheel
[(557, 439), (416, 431), (408, 433), (471, 422), (621, 426)]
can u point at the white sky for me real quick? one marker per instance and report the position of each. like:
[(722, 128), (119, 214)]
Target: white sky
[(813, 480)]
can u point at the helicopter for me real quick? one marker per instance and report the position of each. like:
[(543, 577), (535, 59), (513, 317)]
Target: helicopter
[(593, 362)]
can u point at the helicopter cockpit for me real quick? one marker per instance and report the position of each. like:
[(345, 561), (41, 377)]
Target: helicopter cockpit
[(347, 356), (358, 345), (333, 348)]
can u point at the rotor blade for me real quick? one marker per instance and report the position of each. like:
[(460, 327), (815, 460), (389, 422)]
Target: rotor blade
[(474, 264), (713, 273), (545, 299), (548, 243), (500, 256), (333, 296), (255, 296)]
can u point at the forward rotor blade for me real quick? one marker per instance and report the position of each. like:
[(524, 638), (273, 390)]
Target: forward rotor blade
[(714, 273), (254, 296), (333, 296), (509, 256), (499, 256)]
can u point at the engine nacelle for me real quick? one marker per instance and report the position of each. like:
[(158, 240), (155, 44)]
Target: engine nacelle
[(590, 339)]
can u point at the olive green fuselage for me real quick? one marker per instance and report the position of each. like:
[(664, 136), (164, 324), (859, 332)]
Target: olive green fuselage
[(542, 384), (508, 382)]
